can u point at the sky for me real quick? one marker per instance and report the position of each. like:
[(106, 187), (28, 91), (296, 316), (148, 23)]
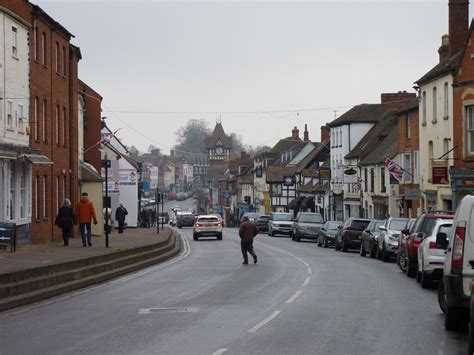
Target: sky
[(259, 67)]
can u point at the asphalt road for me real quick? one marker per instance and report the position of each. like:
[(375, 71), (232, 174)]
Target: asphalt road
[(298, 299)]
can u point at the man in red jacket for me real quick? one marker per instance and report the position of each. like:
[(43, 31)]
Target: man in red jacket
[(85, 213), (247, 232)]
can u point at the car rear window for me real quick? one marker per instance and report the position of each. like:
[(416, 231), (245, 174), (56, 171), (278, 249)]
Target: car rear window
[(311, 218), (263, 218), (398, 224), (359, 225), (333, 225), (208, 220), (282, 217)]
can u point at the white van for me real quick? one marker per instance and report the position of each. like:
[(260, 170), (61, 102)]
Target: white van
[(454, 293)]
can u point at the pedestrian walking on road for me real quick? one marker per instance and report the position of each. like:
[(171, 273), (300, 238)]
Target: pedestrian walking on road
[(65, 220), (120, 214), (85, 212), (247, 232)]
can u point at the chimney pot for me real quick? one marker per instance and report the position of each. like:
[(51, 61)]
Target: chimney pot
[(458, 25), (306, 133)]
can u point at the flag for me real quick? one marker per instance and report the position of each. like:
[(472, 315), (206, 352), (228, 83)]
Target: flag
[(396, 173), (106, 138), (356, 186)]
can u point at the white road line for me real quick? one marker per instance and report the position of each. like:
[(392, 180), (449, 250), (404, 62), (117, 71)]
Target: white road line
[(305, 264), (265, 321), (294, 297), (220, 351), (306, 282), (310, 271)]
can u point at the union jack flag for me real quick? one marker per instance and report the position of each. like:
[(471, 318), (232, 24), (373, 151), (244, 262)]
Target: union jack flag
[(106, 138), (396, 173)]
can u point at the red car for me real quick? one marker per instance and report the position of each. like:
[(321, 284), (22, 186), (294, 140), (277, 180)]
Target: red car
[(409, 242)]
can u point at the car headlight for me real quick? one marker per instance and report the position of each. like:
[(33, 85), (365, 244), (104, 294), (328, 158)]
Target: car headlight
[(393, 238)]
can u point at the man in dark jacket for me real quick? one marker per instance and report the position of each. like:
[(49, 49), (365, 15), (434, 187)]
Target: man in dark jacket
[(120, 214), (247, 232)]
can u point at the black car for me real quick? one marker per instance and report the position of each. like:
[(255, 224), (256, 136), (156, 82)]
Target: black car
[(348, 235), (185, 220), (262, 223), (368, 239), (306, 226), (327, 233)]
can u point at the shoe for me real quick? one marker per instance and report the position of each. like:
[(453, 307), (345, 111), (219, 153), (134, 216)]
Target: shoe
[(255, 260), (245, 263), (90, 244), (84, 245)]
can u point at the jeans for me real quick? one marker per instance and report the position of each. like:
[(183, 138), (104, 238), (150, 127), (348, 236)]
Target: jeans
[(247, 247), (82, 227)]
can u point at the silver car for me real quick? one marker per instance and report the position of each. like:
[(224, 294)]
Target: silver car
[(388, 239), (280, 223)]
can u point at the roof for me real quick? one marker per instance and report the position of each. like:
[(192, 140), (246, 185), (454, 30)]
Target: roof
[(387, 147), (321, 148), (219, 135), (276, 173), (445, 67), (38, 11), (364, 113), (311, 189), (412, 106), (284, 145), (307, 148), (89, 173)]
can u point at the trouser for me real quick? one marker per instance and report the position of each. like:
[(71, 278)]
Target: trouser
[(66, 235), (82, 228), (121, 224), (247, 246)]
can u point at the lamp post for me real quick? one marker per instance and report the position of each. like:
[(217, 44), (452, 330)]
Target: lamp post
[(106, 165)]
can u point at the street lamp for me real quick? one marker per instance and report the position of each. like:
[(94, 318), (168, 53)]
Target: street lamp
[(106, 165)]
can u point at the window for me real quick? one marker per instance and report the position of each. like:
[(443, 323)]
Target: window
[(446, 101), (63, 188), (64, 61), (430, 160), (446, 148), (14, 41), (423, 108), (337, 139), (43, 119), (57, 192), (21, 119), (372, 179), (406, 165), (366, 187), (12, 205), (383, 187), (36, 119), (37, 185), (58, 58), (35, 43), (435, 106), (23, 192), (10, 114), (56, 122), (416, 165), (407, 126), (64, 125), (340, 138), (43, 49), (43, 199), (470, 130)]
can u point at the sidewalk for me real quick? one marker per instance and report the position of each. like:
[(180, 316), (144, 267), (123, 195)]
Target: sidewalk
[(33, 256)]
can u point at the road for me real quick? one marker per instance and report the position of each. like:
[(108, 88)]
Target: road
[(298, 299)]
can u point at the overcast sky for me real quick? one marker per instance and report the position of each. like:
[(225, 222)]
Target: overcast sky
[(158, 64)]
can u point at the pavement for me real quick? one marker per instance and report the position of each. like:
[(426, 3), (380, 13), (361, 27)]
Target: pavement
[(34, 256)]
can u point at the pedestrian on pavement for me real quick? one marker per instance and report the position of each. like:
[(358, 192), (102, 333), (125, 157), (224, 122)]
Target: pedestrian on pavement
[(65, 220), (247, 232), (85, 212), (120, 214)]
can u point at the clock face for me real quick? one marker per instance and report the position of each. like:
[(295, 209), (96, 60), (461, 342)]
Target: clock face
[(219, 150)]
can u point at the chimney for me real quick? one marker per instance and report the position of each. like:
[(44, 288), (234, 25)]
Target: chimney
[(306, 134), (324, 133), (458, 25), (444, 49), (295, 134), (395, 101)]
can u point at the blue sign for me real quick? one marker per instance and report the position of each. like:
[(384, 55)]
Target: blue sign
[(227, 194)]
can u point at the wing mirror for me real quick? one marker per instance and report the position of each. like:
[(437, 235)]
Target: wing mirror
[(382, 228), (442, 240), (339, 226)]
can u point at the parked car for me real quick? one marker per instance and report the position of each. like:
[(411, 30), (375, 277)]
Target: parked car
[(207, 226), (387, 242), (252, 216), (431, 255), (368, 238), (454, 292), (348, 235), (402, 245), (423, 227), (306, 226), (185, 219), (262, 223), (280, 223), (165, 216), (327, 233)]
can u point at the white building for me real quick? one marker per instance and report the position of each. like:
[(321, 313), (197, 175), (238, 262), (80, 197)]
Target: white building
[(15, 155)]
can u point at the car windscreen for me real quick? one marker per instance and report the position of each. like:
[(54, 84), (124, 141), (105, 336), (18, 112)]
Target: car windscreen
[(398, 224), (445, 228), (208, 220), (311, 218), (263, 218), (251, 215), (282, 217), (377, 226), (359, 224), (333, 225)]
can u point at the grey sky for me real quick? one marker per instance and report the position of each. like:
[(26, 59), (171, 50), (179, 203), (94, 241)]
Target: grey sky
[(201, 58)]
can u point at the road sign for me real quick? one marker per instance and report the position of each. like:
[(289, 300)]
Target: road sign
[(227, 194)]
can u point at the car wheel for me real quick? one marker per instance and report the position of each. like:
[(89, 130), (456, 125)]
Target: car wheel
[(219, 236), (426, 281), (363, 253), (372, 250), (442, 297), (471, 328), (418, 276), (297, 238), (292, 235), (325, 242), (195, 237), (385, 256), (179, 226), (344, 246), (337, 246), (319, 242), (401, 261), (411, 269), (379, 252), (454, 318)]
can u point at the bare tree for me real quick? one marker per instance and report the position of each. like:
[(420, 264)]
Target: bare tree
[(192, 136)]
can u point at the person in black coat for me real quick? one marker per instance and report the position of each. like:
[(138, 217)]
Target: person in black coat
[(120, 214), (65, 220)]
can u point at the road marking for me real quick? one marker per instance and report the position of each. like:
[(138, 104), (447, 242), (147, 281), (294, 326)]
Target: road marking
[(220, 351), (294, 297), (265, 321), (310, 271), (306, 282), (168, 310), (305, 263)]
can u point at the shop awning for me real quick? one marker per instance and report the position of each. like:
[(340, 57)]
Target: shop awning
[(37, 159), (307, 203), (295, 203)]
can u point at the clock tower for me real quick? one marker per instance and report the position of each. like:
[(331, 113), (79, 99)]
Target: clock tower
[(218, 146)]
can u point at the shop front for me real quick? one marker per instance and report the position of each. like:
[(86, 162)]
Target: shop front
[(462, 184), (380, 207)]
